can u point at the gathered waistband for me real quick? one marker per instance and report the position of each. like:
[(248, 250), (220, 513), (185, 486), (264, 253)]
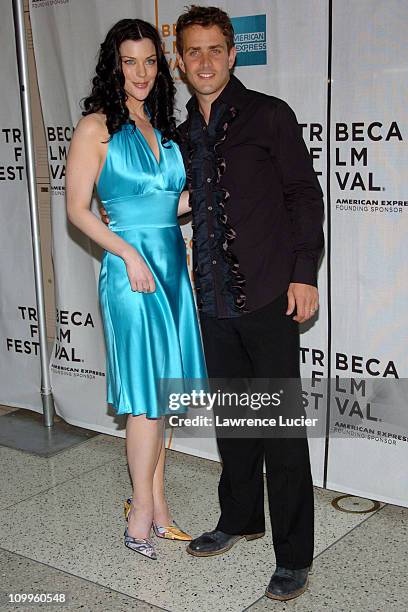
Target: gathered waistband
[(155, 210)]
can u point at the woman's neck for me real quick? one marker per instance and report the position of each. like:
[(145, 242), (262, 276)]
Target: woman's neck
[(137, 111)]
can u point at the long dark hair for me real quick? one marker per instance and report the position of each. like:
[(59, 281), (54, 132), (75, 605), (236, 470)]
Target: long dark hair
[(108, 94)]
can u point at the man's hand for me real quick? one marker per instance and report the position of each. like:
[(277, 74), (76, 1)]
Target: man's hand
[(306, 300), (104, 215)]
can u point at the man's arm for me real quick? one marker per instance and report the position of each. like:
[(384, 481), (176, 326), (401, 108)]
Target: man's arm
[(303, 198)]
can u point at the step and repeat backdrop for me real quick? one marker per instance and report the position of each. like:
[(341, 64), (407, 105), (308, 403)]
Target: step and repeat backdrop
[(343, 67), (20, 374), (368, 248)]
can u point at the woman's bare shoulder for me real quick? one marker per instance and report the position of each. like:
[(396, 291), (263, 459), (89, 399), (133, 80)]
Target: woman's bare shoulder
[(93, 125)]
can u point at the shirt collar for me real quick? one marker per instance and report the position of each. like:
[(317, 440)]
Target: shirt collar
[(233, 93)]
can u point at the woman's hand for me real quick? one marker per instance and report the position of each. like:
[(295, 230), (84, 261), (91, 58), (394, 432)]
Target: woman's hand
[(140, 277)]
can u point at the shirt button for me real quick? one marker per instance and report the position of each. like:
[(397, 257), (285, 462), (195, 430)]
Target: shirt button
[(209, 207), (214, 261), (208, 180), (211, 235)]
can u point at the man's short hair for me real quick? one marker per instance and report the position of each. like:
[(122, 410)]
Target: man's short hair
[(205, 16)]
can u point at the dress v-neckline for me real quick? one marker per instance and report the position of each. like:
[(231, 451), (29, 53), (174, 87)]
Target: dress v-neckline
[(149, 147)]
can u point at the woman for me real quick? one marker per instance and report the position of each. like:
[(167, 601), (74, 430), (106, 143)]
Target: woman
[(124, 144)]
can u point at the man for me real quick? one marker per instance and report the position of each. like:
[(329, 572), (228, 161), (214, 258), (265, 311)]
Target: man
[(257, 222)]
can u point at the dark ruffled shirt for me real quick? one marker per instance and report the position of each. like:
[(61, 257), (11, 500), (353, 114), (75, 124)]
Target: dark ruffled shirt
[(256, 201)]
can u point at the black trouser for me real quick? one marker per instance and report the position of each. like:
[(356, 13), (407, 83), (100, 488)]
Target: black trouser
[(263, 344)]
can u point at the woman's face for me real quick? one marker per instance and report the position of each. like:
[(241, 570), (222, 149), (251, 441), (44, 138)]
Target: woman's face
[(139, 66)]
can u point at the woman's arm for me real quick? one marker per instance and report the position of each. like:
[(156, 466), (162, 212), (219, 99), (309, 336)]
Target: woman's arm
[(85, 156), (184, 204)]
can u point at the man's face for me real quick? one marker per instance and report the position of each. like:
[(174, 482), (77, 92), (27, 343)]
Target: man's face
[(206, 61)]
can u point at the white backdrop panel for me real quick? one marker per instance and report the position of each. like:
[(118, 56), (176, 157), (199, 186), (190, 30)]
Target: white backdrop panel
[(368, 258), (20, 373), (66, 41), (369, 246)]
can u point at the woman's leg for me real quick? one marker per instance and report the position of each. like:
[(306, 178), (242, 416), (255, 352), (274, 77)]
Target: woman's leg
[(161, 511), (143, 445)]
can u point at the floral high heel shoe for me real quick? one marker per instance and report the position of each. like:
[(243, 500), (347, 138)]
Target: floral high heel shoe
[(143, 546), (170, 532)]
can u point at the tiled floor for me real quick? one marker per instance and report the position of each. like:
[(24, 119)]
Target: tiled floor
[(61, 529)]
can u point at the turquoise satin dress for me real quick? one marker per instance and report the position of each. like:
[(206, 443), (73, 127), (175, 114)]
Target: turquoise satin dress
[(149, 336)]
